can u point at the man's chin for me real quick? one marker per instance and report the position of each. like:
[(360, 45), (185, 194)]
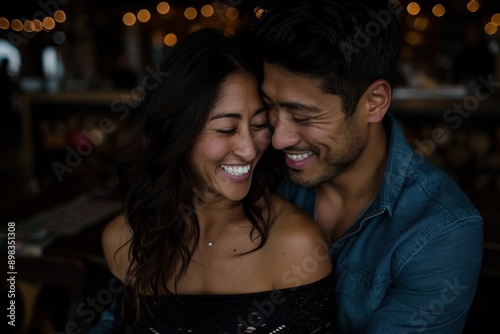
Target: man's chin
[(299, 177)]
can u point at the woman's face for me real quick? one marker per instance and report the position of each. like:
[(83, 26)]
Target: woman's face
[(233, 140)]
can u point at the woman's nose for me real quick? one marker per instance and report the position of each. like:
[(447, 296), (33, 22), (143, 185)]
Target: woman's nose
[(247, 147)]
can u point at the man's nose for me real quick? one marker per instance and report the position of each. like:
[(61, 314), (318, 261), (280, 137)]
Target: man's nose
[(284, 135)]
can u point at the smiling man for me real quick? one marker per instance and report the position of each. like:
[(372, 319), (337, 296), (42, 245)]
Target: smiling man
[(406, 241)]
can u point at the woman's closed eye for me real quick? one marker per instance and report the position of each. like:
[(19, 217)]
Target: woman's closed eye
[(232, 131), (260, 125), (227, 131)]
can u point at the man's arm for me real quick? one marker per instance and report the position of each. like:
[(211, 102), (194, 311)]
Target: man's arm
[(435, 289)]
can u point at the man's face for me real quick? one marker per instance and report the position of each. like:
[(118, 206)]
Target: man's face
[(310, 127)]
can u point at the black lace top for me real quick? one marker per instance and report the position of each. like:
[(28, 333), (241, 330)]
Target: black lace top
[(306, 309)]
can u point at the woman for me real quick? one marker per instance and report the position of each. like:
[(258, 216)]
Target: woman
[(205, 246)]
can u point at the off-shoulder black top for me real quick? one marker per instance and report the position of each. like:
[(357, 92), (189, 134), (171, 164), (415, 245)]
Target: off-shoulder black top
[(304, 309)]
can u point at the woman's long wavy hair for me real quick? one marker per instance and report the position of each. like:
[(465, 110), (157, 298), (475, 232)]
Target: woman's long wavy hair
[(154, 180)]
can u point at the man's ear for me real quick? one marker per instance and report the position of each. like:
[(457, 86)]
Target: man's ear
[(379, 99)]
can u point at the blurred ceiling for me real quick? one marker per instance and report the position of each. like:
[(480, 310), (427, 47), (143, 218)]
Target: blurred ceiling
[(28, 8)]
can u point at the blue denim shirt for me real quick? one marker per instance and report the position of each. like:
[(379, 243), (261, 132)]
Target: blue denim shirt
[(411, 261)]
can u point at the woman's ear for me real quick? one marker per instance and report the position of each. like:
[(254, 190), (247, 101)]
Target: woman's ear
[(379, 100)]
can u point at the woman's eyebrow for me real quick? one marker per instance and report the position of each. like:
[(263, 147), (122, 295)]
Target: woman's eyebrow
[(260, 110), (236, 115), (225, 115)]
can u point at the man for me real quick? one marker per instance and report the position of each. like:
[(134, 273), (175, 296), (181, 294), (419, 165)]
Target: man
[(406, 242)]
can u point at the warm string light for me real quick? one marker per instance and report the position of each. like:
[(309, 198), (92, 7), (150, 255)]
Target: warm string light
[(207, 10), (413, 8), (163, 8), (438, 10), (170, 39), (419, 22), (491, 28), (473, 6), (143, 15), (47, 24), (189, 13)]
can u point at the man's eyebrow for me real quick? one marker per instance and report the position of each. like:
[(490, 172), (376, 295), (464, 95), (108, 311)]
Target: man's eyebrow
[(298, 106), (293, 105)]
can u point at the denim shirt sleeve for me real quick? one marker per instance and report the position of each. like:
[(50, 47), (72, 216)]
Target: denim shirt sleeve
[(434, 289), (109, 320), (106, 323)]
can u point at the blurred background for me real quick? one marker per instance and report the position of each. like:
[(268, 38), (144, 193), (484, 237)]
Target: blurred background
[(72, 72)]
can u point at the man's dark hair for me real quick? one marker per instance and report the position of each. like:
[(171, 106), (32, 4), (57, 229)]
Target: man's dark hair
[(349, 44)]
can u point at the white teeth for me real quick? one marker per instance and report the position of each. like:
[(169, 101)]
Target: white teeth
[(236, 171), (299, 157)]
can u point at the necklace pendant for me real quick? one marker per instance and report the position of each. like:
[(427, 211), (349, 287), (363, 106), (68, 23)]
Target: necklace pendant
[(210, 244)]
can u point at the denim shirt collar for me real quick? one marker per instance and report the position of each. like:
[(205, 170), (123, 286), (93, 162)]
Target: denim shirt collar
[(396, 168)]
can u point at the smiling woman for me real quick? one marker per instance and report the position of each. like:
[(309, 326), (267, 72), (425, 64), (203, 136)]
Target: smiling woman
[(235, 137), (204, 244)]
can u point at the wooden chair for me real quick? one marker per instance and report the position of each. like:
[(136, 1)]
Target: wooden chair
[(36, 272)]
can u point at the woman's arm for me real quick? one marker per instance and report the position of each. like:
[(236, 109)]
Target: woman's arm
[(115, 246)]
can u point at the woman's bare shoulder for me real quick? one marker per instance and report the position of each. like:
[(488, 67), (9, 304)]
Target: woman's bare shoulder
[(291, 219), (115, 246), (298, 247)]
